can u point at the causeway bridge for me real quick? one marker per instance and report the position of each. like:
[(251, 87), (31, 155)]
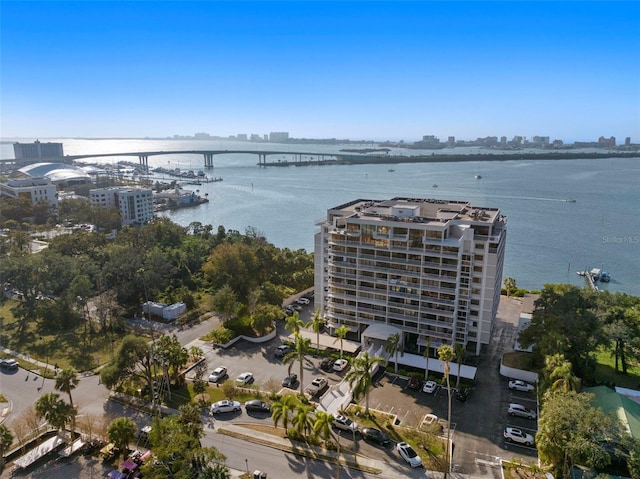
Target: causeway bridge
[(143, 156)]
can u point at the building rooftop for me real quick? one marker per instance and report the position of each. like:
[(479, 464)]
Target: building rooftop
[(418, 210)]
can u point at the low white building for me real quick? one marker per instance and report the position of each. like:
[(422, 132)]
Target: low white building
[(37, 189)]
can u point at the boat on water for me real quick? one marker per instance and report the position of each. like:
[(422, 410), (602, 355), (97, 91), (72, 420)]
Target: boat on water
[(435, 185), (570, 200), (391, 170), (478, 177), (605, 277)]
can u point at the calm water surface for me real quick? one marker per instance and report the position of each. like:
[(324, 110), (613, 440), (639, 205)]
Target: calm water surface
[(549, 239)]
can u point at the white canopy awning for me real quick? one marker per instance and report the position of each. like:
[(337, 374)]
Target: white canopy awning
[(380, 331)]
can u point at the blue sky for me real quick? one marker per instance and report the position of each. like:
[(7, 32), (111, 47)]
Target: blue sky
[(359, 70)]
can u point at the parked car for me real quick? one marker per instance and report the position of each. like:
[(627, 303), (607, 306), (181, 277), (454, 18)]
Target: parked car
[(290, 381), (520, 410), (462, 394), (224, 406), (303, 301), (414, 383), (408, 454), (512, 434), (10, 364), (256, 405), (244, 378), (218, 374), (429, 387), (317, 385), (375, 435), (340, 365), (326, 364), (344, 423), (282, 350), (518, 385)]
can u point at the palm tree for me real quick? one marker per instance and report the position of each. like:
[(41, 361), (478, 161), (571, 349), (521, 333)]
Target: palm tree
[(6, 439), (341, 332), (66, 381), (510, 285), (392, 346), (299, 353), (559, 375), (294, 323), (280, 410), (426, 354), (54, 410), (322, 427), (447, 354), (359, 376), (460, 351), (316, 324), (302, 419)]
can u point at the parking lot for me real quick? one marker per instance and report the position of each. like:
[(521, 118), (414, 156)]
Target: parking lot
[(477, 425)]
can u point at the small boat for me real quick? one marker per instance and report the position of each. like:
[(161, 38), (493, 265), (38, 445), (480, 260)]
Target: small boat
[(477, 177), (605, 277), (391, 170), (570, 200), (581, 273), (435, 185)]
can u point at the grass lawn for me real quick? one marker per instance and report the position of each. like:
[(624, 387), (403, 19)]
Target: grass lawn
[(605, 371)]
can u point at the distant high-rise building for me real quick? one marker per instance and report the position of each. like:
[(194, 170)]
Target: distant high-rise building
[(451, 141), (428, 269), (242, 137), (37, 150), (627, 141), (503, 140), (607, 142), (279, 136)]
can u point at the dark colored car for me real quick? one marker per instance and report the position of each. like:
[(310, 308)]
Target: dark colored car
[(462, 394), (327, 364), (414, 383), (256, 405), (375, 435), (10, 364), (290, 381)]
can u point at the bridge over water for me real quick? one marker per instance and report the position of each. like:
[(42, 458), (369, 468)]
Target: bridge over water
[(143, 156)]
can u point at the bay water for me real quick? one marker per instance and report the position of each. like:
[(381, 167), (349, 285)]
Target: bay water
[(549, 238)]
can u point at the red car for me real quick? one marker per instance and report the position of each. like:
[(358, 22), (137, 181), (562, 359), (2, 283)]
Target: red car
[(414, 383)]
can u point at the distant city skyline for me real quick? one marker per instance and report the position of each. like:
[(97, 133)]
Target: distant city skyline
[(379, 71)]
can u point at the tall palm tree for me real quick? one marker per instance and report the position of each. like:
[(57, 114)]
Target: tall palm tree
[(280, 410), (392, 347), (447, 354), (302, 419), (294, 323), (341, 332), (6, 439), (426, 354), (359, 376), (316, 324), (558, 374), (460, 351), (299, 353), (510, 285), (322, 427), (57, 412), (66, 381)]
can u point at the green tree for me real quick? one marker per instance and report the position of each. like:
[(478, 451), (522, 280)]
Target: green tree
[(132, 360), (54, 410), (316, 324), (225, 302), (264, 316), (302, 419), (300, 350), (282, 409), (121, 432), (557, 375), (6, 439), (360, 378), (190, 420), (341, 332), (570, 431), (294, 323), (66, 381), (322, 427), (233, 264), (392, 347), (447, 354), (510, 285)]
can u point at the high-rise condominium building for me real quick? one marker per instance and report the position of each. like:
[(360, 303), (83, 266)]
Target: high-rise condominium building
[(430, 269), (135, 204), (37, 150)]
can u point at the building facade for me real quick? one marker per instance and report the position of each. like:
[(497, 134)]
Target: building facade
[(135, 204), (37, 150), (36, 189), (430, 269)]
